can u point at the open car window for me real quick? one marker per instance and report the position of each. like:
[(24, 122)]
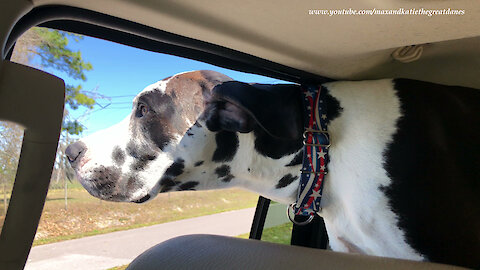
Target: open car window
[(96, 98)]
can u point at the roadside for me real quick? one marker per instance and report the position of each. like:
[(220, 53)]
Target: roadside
[(87, 216), (120, 248)]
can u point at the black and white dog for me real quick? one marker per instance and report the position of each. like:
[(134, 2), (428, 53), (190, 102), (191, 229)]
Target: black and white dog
[(404, 171)]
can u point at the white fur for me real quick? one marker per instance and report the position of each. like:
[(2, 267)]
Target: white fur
[(354, 208), (356, 212)]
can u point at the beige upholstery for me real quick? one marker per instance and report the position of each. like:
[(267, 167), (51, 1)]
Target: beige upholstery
[(218, 252), (33, 99), (340, 47)]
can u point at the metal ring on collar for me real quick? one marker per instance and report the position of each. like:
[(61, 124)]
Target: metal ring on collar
[(292, 219)]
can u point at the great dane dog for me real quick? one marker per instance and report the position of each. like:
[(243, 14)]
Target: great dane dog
[(404, 165)]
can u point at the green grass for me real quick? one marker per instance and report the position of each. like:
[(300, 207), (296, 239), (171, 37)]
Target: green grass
[(88, 216), (279, 234)]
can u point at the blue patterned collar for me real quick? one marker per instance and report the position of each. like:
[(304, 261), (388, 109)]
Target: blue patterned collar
[(315, 154)]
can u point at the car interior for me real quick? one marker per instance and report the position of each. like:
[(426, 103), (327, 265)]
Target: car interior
[(278, 39)]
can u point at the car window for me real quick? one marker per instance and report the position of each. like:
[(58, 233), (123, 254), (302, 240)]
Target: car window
[(102, 78), (277, 228)]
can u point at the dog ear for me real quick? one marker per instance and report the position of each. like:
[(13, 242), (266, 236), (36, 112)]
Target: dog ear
[(241, 107)]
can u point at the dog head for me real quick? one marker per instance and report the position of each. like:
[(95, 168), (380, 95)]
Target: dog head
[(125, 162), (184, 134)]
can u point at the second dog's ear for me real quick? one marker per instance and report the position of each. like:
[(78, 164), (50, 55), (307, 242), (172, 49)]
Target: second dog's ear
[(241, 107)]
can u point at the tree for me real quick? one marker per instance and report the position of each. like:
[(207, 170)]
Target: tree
[(45, 48), (10, 140), (50, 48)]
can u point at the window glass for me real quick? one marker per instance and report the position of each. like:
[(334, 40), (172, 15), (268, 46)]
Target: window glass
[(277, 228)]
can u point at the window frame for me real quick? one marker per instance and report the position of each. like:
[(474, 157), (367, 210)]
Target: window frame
[(94, 24), (98, 25)]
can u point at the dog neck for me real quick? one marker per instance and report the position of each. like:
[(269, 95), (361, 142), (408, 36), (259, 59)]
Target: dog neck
[(215, 160), (213, 155)]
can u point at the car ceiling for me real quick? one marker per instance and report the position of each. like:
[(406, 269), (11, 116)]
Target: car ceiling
[(340, 47)]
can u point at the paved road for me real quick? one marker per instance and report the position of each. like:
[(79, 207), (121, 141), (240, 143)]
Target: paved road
[(119, 248)]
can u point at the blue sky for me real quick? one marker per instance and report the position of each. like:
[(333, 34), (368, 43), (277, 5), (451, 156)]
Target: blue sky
[(120, 72)]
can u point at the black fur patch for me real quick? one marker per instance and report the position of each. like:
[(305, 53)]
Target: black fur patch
[(227, 178), (285, 181), (144, 199), (188, 185), (333, 106), (198, 163), (275, 148), (222, 171), (104, 180), (132, 149), (132, 183), (118, 156), (227, 145), (167, 184), (154, 126), (140, 153), (176, 168), (142, 156), (297, 160), (434, 164), (138, 165)]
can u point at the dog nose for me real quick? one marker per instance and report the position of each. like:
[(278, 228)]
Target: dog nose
[(75, 150)]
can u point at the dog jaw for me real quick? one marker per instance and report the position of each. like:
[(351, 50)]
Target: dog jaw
[(122, 175)]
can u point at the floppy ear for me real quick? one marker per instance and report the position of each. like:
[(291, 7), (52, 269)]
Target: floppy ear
[(242, 107)]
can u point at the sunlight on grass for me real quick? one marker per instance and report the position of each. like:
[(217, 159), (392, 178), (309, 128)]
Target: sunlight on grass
[(87, 216), (279, 234)]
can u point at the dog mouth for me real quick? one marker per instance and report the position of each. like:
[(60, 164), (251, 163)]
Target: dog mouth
[(142, 200), (109, 184)]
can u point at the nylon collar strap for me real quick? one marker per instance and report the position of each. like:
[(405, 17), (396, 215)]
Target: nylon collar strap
[(315, 152)]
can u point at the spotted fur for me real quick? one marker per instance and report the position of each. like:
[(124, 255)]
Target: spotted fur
[(203, 131)]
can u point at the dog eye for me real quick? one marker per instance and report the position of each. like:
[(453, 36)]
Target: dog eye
[(142, 110)]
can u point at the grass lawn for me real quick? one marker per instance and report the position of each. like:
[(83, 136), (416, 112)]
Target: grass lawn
[(279, 234), (86, 215)]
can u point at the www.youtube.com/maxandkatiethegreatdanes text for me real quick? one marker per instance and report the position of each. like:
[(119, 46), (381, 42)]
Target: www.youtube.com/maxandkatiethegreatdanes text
[(399, 11)]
